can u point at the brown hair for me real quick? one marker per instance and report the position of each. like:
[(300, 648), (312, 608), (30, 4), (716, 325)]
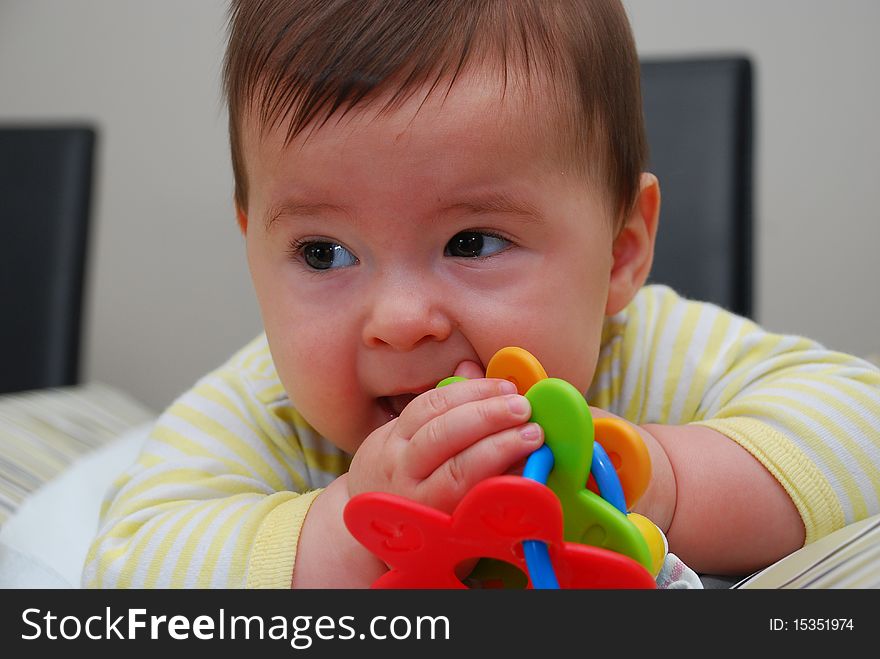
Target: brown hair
[(299, 61)]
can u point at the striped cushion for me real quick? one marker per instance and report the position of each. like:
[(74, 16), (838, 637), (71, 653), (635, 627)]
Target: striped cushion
[(44, 431)]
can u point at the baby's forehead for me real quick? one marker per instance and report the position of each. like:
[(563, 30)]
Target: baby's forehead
[(566, 71), (474, 105)]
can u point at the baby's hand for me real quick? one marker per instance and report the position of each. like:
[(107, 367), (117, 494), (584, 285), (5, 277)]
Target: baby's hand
[(445, 442)]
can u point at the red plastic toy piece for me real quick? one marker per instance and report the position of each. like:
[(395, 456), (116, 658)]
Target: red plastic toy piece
[(423, 545)]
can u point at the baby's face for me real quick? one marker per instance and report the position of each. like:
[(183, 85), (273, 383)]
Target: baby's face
[(386, 249)]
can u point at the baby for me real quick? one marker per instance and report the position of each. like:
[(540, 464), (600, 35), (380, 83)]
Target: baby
[(419, 185)]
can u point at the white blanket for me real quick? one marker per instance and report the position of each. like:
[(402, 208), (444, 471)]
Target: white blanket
[(44, 544)]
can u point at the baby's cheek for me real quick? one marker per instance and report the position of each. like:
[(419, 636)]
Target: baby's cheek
[(321, 409)]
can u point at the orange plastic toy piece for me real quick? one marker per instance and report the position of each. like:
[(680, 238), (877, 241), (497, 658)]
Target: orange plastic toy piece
[(518, 366), (628, 454)]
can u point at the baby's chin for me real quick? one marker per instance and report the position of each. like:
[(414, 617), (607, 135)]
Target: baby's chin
[(348, 435), (353, 437)]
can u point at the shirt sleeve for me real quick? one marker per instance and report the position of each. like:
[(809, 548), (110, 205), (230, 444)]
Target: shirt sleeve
[(220, 490), (810, 415)]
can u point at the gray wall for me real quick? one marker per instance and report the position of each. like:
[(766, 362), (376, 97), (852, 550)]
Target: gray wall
[(818, 151), (169, 295), (168, 292)]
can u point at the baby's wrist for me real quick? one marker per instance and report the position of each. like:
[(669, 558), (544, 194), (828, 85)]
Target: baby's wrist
[(658, 502), (364, 561), (339, 561)]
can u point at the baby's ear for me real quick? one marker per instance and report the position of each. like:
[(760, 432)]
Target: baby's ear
[(633, 249), (241, 216)]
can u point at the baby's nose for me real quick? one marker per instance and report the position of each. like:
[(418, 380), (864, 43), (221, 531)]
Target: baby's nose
[(403, 318)]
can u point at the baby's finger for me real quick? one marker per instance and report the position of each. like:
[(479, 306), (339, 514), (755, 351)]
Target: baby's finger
[(451, 433), (492, 456), (470, 370), (436, 402)]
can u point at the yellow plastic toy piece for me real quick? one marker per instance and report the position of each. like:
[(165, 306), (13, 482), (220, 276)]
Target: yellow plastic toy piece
[(654, 538)]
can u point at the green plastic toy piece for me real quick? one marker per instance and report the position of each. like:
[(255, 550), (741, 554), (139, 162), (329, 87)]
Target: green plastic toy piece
[(449, 380), (560, 409)]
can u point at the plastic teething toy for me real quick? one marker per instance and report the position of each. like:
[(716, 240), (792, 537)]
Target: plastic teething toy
[(572, 533)]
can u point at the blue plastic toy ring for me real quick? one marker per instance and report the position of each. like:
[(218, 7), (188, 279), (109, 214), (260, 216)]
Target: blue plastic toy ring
[(538, 468)]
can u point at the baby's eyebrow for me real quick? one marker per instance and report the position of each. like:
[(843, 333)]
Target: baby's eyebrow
[(497, 202), (293, 208), (484, 204)]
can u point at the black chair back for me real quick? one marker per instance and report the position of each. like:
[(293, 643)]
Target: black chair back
[(698, 114), (45, 194)]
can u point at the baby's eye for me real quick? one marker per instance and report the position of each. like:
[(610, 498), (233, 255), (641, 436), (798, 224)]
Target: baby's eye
[(323, 255), (472, 244)]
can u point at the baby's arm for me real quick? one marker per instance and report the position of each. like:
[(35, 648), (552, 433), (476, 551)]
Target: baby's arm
[(444, 442), (731, 515), (218, 492), (722, 511), (756, 426)]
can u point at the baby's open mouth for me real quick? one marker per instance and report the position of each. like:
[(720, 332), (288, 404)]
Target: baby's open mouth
[(394, 405)]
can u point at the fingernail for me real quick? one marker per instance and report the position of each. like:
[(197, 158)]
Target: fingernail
[(531, 432), (518, 404)]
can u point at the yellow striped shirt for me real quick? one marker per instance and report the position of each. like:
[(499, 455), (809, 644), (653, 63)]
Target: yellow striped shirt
[(221, 489)]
